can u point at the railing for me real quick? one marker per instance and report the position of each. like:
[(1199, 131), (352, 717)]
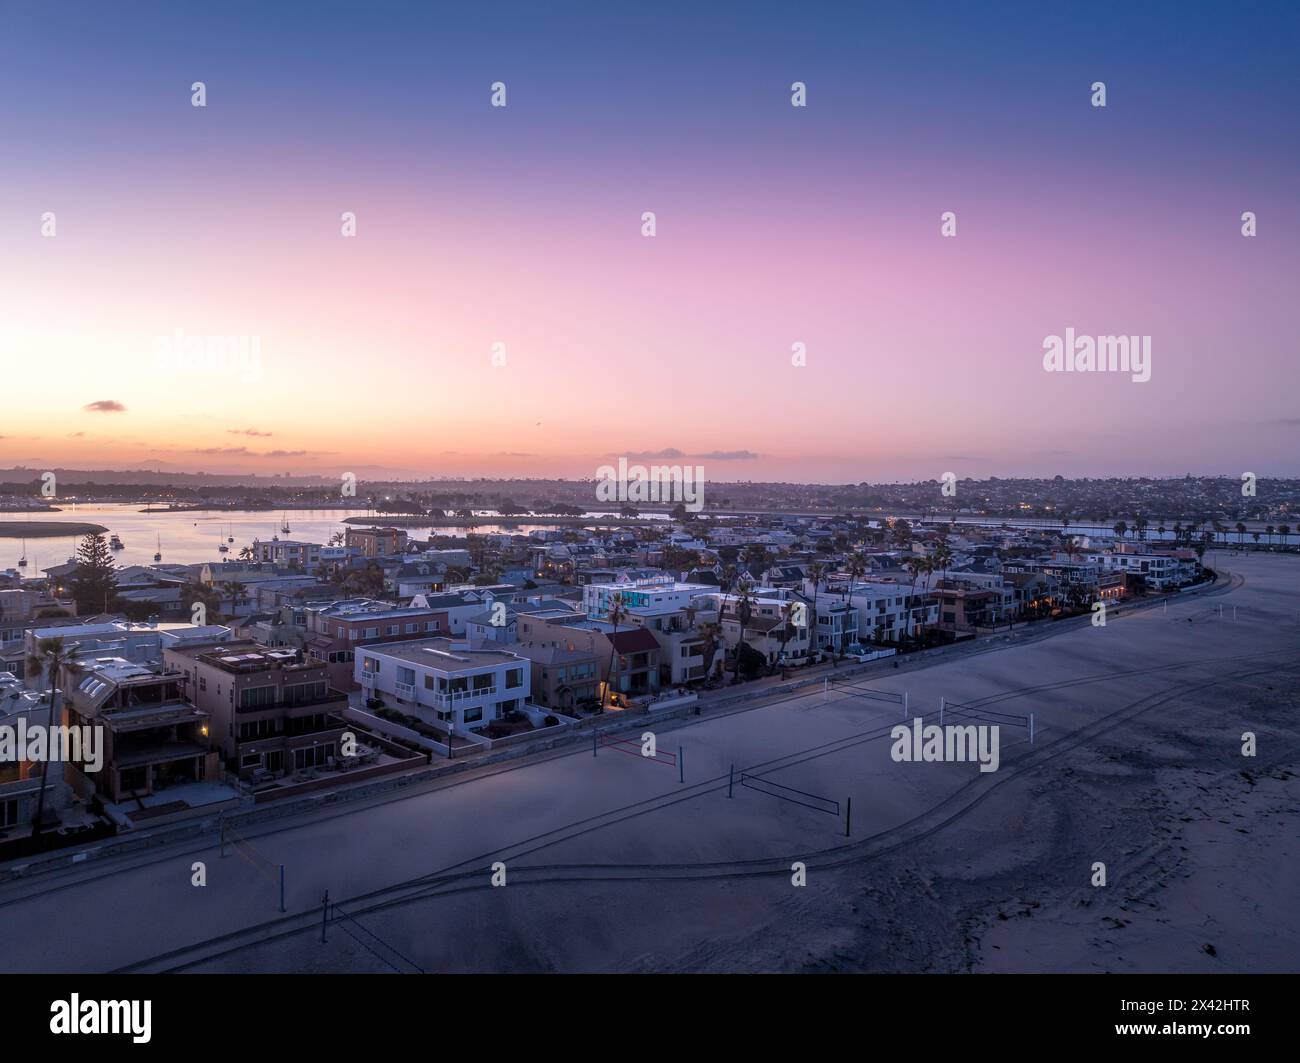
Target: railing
[(405, 690), (466, 695)]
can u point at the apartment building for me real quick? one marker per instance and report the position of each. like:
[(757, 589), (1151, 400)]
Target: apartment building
[(376, 542), (964, 609), (658, 592), (1161, 570), (562, 679), (631, 656), (889, 610), (448, 680), (272, 712), (289, 552), (153, 737)]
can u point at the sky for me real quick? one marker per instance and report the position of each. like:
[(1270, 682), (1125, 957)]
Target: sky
[(518, 230)]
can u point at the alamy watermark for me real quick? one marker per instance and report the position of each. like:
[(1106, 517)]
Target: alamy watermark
[(236, 356), (1098, 354), (653, 483), (36, 742), (951, 743)]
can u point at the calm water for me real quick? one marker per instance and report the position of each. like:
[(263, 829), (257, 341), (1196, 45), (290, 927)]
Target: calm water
[(192, 538)]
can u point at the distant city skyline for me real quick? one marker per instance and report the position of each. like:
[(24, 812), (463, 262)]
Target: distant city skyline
[(521, 226)]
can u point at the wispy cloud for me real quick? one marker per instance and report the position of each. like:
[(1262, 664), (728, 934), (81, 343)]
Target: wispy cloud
[(672, 453), (728, 455), (248, 432), (104, 406)]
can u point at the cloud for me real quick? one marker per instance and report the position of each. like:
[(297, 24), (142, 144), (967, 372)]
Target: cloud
[(728, 455), (104, 406), (222, 450), (285, 454), (667, 454), (76, 435), (247, 432), (672, 454)]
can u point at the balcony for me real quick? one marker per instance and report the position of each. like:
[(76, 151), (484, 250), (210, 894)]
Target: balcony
[(406, 691), (456, 697), (330, 699)]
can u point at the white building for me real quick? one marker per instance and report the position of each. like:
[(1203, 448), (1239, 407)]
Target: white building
[(891, 607), (465, 686), (658, 593)]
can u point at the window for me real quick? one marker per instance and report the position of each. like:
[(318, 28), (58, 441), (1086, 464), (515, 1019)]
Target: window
[(314, 757), (203, 682), (370, 665), (9, 813), (406, 676), (473, 715), (410, 628), (257, 697), (514, 678), (301, 693), (251, 760)]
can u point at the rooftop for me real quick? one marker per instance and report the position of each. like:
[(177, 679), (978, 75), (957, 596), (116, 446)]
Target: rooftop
[(448, 654)]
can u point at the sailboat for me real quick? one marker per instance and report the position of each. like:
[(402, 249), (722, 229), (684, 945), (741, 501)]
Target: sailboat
[(284, 524), (158, 555), (22, 561), (230, 533)]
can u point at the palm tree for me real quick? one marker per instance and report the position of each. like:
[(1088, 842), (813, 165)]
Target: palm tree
[(855, 565), (943, 556), (1269, 529), (617, 614), (246, 554), (787, 630), (1283, 530), (1121, 529), (815, 572), (1241, 532), (54, 655), (915, 567), (744, 610), (711, 635), (725, 582)]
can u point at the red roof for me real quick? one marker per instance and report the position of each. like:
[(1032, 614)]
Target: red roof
[(633, 640)]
